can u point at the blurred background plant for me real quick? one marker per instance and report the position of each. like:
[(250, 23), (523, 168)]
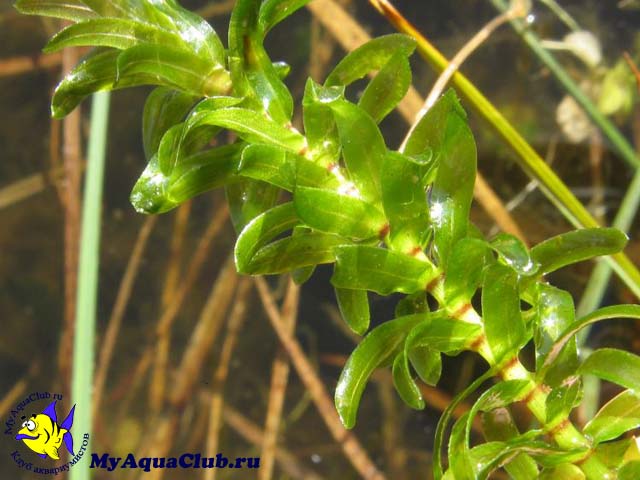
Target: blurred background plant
[(162, 298)]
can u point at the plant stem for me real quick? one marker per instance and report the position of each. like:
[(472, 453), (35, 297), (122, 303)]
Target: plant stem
[(552, 186), (83, 345)]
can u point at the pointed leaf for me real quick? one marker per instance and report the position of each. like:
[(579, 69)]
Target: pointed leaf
[(254, 74), (250, 125), (426, 362), (354, 307), (504, 327), (283, 169), (443, 334), (378, 348), (464, 273), (618, 416), (330, 212), (249, 198), (290, 253), (617, 366), (387, 88), (452, 189), (414, 303), (371, 56), (514, 253), (576, 246), (273, 12), (405, 384), (319, 123), (617, 311), (97, 72), (110, 32), (176, 68), (261, 230), (363, 147), (74, 10), (405, 202), (157, 192), (380, 270), (562, 400), (163, 108)]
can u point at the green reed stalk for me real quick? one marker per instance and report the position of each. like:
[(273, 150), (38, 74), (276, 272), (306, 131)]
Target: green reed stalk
[(83, 344)]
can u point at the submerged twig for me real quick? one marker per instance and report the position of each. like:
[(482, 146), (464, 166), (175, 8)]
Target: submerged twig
[(236, 320), (349, 443), (117, 314), (517, 10), (156, 391), (279, 379)]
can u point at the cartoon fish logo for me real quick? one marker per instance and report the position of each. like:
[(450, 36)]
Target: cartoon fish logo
[(42, 434)]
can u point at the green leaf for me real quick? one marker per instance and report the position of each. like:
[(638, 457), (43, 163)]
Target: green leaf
[(619, 415), (175, 68), (354, 307), (163, 108), (379, 347), (617, 366), (514, 253), (97, 72), (330, 212), (426, 362), (254, 73), (576, 246), (612, 454), (301, 275), (387, 88), (250, 125), (405, 202), (414, 303), (371, 56), (443, 334), (405, 384), (363, 147), (464, 273), (273, 12), (66, 9), (290, 253), (459, 456), (498, 425), (249, 198), (157, 192), (616, 311), (630, 471), (554, 312), (283, 169), (260, 231), (562, 400), (452, 189), (504, 327), (502, 394), (110, 32), (380, 270), (319, 123), (565, 471)]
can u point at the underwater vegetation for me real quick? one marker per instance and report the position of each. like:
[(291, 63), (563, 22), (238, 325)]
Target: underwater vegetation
[(314, 184)]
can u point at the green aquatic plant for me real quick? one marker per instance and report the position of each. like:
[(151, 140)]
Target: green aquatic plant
[(390, 222)]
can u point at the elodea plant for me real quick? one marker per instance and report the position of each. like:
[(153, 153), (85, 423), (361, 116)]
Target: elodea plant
[(389, 221)]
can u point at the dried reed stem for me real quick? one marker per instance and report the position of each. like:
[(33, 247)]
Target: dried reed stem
[(69, 192), (279, 380), (236, 320), (163, 327), (349, 443), (157, 390), (117, 314)]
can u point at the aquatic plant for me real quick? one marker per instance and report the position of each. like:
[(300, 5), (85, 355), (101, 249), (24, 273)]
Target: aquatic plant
[(389, 221)]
